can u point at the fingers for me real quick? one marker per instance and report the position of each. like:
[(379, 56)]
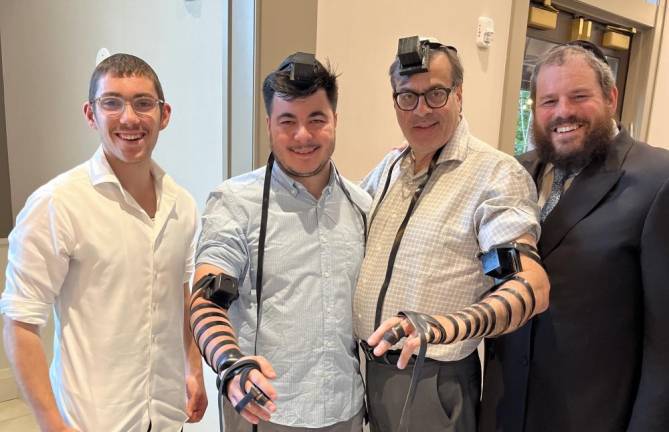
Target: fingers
[(263, 384), (265, 367), (385, 326), (388, 333), (253, 412), (411, 345), (196, 407), (196, 399)]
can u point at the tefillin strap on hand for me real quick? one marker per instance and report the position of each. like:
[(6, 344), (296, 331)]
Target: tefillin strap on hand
[(243, 368), (423, 323), (425, 326)]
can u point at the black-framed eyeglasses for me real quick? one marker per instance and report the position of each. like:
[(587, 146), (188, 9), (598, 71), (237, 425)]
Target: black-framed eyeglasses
[(437, 97), (115, 105)]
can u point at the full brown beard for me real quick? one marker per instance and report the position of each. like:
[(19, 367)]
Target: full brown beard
[(595, 143)]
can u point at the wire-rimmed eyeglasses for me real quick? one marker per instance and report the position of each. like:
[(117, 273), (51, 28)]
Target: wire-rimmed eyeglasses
[(115, 105), (437, 97)]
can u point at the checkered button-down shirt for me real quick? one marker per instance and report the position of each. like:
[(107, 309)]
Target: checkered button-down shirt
[(477, 197)]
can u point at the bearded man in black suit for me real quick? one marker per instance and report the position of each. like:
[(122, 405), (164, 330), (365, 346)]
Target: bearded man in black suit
[(598, 358)]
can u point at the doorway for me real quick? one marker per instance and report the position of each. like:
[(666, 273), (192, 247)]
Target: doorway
[(537, 42)]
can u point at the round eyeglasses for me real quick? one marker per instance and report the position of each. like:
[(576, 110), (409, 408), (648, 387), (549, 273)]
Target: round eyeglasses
[(437, 97), (115, 105)]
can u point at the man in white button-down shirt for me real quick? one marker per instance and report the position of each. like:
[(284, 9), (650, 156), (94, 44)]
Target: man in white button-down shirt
[(109, 245)]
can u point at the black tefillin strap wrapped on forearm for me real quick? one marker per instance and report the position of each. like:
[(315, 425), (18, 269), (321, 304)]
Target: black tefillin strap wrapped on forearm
[(225, 358), (503, 263)]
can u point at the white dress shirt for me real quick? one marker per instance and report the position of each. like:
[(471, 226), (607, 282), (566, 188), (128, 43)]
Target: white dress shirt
[(115, 278)]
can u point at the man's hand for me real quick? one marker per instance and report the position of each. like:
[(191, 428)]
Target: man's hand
[(252, 412), (197, 398), (411, 343)]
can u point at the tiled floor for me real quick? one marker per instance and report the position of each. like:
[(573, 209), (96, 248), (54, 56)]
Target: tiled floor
[(16, 417)]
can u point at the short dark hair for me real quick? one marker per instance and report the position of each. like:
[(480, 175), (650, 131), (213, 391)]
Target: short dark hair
[(123, 65), (278, 82), (558, 55), (457, 71)]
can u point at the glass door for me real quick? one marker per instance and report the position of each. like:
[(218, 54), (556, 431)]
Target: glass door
[(538, 42)]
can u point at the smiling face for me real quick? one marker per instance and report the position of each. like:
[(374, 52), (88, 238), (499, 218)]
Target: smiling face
[(427, 129), (572, 115), (127, 138), (302, 134)]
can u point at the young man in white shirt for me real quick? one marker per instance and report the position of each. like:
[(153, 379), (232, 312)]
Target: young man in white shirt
[(109, 244)]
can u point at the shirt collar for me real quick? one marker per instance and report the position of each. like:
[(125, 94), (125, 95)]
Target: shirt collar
[(101, 172), (293, 186), (456, 147)]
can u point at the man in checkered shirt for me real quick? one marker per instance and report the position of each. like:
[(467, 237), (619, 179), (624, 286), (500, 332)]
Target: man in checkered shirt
[(448, 198)]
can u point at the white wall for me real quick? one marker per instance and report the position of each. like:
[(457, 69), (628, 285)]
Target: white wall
[(360, 38), (48, 53), (657, 130)]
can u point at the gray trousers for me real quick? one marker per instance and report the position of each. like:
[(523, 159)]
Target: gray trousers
[(446, 400), (236, 423)]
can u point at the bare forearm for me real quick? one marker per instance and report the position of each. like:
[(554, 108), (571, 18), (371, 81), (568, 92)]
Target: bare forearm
[(26, 355)]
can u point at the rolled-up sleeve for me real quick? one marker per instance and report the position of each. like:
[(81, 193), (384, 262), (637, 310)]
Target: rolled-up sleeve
[(222, 240), (509, 208), (38, 260)]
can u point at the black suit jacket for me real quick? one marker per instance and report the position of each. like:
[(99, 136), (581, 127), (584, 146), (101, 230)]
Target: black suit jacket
[(598, 358)]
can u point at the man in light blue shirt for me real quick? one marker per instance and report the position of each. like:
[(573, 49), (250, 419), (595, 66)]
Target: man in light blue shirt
[(306, 260)]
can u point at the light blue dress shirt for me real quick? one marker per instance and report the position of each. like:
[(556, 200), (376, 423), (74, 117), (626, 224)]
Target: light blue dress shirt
[(313, 252)]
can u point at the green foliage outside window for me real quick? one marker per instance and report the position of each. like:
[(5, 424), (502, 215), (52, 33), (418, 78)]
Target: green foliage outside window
[(523, 123)]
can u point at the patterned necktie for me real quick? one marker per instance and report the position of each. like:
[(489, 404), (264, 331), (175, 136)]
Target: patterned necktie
[(559, 177)]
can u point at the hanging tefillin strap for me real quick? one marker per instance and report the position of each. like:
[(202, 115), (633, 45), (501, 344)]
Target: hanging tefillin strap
[(425, 325)]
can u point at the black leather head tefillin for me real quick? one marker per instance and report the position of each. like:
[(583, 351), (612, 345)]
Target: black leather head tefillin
[(302, 67), (413, 54)]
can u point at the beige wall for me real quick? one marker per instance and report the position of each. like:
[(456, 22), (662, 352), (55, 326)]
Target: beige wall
[(284, 27), (658, 134), (5, 193), (362, 45)]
